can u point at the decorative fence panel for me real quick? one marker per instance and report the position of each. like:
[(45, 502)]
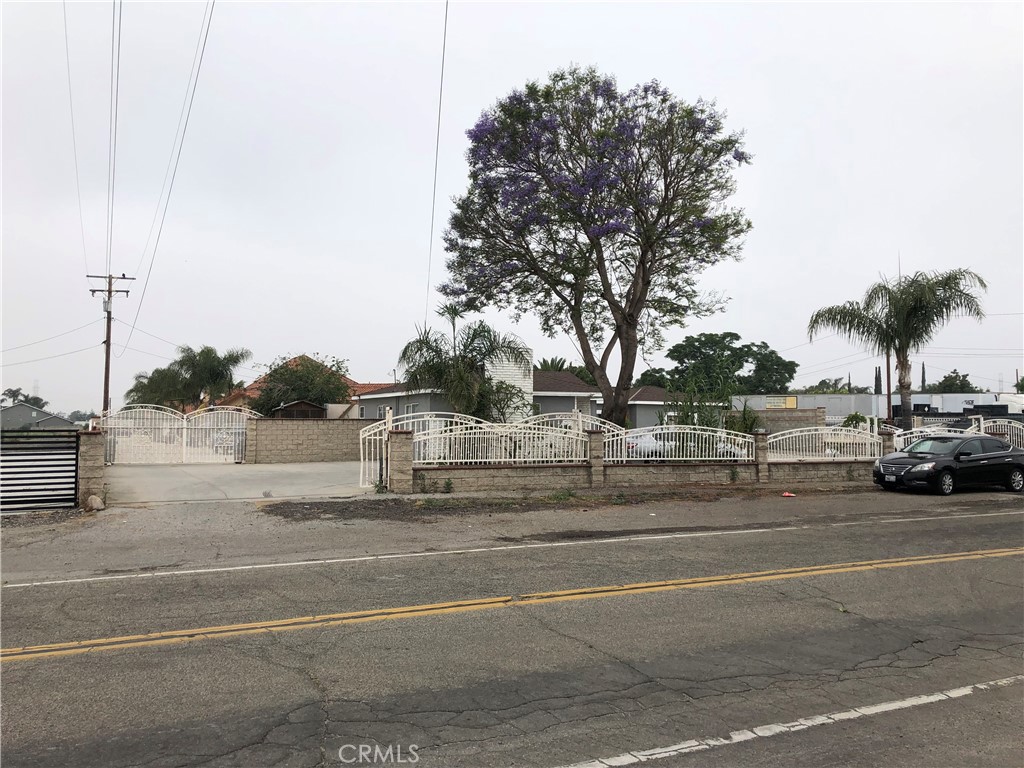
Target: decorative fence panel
[(516, 443), (153, 434), (1005, 429), (823, 443), (575, 420), (902, 439), (677, 442), (373, 440)]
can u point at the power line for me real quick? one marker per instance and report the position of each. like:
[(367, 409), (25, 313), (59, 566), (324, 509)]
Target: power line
[(74, 134), (174, 172), (50, 338), (171, 343), (115, 88), (51, 357), (437, 148), (174, 143), (787, 349)]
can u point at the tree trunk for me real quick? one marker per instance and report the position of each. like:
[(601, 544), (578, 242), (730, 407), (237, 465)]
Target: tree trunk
[(618, 413), (904, 384)]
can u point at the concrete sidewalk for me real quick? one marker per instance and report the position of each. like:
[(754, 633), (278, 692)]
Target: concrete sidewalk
[(142, 484)]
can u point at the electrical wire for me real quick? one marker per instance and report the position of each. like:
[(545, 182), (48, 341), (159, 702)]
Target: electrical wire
[(174, 143), (174, 173), (50, 338), (51, 357), (74, 137), (115, 89), (437, 148), (171, 343)]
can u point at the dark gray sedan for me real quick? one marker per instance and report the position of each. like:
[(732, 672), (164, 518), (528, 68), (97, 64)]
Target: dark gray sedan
[(943, 463)]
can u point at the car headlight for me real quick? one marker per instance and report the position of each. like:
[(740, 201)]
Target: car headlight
[(926, 467), (878, 464)]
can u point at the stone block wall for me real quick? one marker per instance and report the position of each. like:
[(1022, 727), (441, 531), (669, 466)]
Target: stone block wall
[(821, 471), (781, 420), (289, 441), (90, 466), (595, 473)]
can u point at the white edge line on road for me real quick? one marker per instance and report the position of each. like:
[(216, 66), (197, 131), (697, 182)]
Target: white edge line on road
[(775, 729), (470, 551)]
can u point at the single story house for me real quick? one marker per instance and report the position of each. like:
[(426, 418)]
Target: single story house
[(25, 416), (553, 392), (243, 396)]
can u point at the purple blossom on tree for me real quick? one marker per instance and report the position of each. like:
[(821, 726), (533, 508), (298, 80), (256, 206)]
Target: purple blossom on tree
[(596, 209)]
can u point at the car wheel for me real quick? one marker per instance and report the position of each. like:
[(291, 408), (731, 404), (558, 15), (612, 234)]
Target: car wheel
[(944, 484), (1015, 482)]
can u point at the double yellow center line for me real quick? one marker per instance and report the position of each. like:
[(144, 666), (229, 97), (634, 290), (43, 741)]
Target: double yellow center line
[(462, 606)]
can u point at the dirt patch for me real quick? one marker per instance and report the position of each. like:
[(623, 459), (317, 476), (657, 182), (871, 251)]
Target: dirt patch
[(48, 517), (432, 508)]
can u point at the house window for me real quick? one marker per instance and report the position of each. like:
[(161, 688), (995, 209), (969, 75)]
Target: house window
[(362, 411), (412, 407), (380, 411)]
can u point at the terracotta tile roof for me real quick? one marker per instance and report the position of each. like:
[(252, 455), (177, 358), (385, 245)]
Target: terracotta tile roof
[(252, 391), (561, 381), (358, 389), (384, 389)]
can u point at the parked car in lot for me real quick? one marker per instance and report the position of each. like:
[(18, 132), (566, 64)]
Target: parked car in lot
[(945, 462)]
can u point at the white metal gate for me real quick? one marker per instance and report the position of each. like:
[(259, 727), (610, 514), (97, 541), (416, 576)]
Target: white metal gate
[(153, 434)]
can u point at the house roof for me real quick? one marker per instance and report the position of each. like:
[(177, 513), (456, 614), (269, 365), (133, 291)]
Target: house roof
[(384, 390), (299, 402), (252, 391), (561, 381), (647, 394)]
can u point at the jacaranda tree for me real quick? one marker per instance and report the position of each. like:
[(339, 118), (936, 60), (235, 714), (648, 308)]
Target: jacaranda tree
[(596, 209)]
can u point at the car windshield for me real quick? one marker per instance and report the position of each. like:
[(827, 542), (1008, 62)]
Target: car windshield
[(934, 445)]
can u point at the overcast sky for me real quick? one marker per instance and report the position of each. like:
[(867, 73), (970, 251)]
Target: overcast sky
[(300, 216)]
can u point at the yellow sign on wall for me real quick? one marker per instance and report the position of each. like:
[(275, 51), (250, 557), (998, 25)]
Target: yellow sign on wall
[(780, 401)]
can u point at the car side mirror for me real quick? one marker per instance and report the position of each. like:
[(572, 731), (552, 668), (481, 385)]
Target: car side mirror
[(962, 454)]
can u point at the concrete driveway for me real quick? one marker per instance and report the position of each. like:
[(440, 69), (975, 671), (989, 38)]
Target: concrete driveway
[(143, 483)]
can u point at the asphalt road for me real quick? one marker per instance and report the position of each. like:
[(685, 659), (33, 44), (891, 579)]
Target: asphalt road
[(741, 632)]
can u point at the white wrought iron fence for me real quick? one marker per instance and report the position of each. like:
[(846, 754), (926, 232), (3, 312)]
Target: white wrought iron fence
[(677, 442), (823, 443), (1006, 429), (902, 439), (373, 441), (515, 443), (154, 434), (574, 420)]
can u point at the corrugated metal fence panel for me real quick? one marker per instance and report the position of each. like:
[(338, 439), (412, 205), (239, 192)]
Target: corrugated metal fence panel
[(38, 469)]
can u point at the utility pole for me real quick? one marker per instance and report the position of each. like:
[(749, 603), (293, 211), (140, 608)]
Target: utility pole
[(108, 307)]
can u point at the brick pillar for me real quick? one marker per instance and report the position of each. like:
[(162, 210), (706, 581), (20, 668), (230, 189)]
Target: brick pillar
[(888, 444), (90, 466), (400, 461), (820, 416), (761, 454), (595, 438)]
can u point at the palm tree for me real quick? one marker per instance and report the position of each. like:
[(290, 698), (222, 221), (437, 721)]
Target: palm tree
[(551, 364), (163, 386), (456, 366), (207, 374), (899, 317)]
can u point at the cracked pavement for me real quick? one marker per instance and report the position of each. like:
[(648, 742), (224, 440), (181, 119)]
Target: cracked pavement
[(524, 685)]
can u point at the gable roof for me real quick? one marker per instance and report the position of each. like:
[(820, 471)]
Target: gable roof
[(648, 394), (561, 381)]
